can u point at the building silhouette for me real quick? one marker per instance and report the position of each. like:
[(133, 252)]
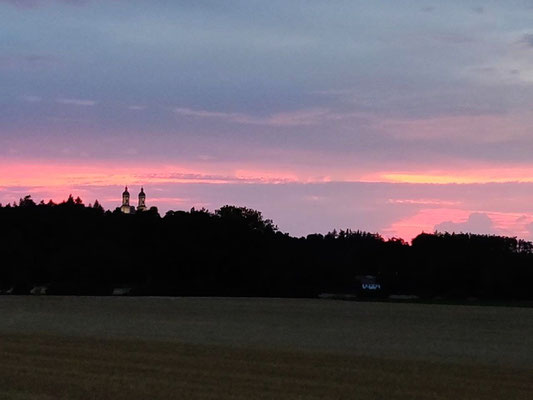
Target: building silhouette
[(126, 208), (141, 206)]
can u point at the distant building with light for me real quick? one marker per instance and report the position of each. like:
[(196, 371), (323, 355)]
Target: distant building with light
[(369, 286), (126, 208)]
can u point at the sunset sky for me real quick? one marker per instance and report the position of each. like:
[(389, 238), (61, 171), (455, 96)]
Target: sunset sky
[(394, 116)]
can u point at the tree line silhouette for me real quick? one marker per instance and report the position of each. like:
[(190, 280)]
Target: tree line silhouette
[(76, 249)]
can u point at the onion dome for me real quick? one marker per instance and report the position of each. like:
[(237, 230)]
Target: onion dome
[(126, 193), (142, 194)]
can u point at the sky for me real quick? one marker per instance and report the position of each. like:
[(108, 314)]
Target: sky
[(390, 117)]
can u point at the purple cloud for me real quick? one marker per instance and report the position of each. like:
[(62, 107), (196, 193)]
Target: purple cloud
[(37, 3), (476, 223), (27, 60), (528, 39), (76, 102), (31, 98), (291, 118)]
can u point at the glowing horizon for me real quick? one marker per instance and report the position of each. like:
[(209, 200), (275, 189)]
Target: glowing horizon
[(104, 180)]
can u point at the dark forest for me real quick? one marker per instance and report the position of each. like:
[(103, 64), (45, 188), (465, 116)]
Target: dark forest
[(74, 249)]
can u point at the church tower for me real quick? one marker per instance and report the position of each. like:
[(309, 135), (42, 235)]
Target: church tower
[(126, 209), (142, 201)]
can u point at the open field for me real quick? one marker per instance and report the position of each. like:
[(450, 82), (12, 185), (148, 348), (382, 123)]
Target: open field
[(195, 348)]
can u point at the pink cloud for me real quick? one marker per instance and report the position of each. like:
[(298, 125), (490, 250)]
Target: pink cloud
[(425, 202), (424, 220), (461, 220), (55, 174)]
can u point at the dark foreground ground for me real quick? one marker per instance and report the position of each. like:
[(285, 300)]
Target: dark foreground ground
[(197, 348)]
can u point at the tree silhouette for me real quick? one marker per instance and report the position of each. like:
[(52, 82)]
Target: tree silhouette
[(235, 251)]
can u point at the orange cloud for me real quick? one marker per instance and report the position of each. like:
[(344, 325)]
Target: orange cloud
[(465, 175)]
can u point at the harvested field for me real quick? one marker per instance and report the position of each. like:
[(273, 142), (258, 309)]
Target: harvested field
[(194, 348)]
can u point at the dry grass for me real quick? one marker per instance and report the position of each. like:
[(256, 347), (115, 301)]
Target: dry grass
[(42, 367), (193, 348)]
